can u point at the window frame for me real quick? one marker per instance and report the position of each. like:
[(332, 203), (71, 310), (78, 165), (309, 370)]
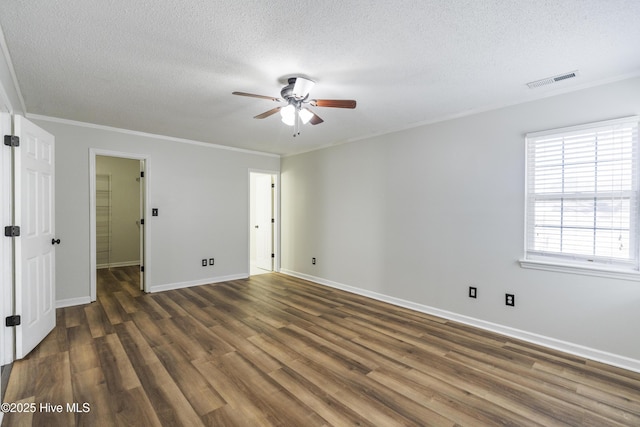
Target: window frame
[(575, 263)]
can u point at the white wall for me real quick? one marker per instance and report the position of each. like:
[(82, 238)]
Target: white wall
[(125, 208), (420, 215), (201, 193)]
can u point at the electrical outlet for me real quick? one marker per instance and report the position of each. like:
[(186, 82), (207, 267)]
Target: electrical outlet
[(210, 261), (510, 300), (473, 292), (313, 261), (204, 262)]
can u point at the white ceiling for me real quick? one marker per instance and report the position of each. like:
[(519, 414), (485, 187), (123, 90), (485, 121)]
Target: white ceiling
[(168, 67)]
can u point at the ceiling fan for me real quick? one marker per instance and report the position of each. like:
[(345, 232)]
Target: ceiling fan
[(296, 96)]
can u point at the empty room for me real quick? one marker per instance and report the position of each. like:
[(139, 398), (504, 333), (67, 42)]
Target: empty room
[(394, 213)]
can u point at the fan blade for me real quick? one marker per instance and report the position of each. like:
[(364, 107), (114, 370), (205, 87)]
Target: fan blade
[(268, 113), (334, 103), (271, 98), (315, 120)]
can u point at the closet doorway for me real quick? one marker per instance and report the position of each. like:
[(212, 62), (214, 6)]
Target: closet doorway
[(263, 222), (118, 189)]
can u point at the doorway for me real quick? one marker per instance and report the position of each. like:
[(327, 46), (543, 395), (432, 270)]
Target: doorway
[(263, 222), (118, 188)]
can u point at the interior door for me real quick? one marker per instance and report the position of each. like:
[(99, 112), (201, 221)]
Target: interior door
[(264, 224), (35, 248)]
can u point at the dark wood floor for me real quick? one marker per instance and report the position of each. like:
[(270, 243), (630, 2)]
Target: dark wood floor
[(277, 351)]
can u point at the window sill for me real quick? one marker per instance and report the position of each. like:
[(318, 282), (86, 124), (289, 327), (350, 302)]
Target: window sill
[(611, 273)]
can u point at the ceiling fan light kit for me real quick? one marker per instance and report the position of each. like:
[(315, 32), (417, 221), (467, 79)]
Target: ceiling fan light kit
[(296, 95), (288, 114), (305, 115)]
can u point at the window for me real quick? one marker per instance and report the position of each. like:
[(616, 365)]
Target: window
[(582, 196)]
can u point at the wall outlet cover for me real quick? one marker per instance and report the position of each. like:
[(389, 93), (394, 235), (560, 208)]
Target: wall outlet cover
[(473, 292), (510, 300)]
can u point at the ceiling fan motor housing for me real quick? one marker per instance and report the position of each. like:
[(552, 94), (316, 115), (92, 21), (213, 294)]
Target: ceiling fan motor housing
[(297, 90), (287, 91)]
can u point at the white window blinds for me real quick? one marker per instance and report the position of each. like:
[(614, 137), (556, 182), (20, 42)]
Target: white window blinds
[(582, 194)]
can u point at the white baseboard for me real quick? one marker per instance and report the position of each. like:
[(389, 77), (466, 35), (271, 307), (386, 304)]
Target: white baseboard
[(567, 347), (180, 285), (72, 301), (159, 288), (118, 264)]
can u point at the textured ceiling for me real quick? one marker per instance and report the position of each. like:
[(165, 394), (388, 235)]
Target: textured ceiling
[(168, 67)]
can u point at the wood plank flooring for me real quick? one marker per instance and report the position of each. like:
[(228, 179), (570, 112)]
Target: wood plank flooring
[(277, 351)]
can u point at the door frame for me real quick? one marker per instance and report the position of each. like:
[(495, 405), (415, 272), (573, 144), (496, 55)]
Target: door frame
[(7, 339), (276, 215), (144, 254)]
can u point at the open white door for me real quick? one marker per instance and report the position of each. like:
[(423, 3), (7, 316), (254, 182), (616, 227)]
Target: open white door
[(264, 222), (143, 209), (34, 249)]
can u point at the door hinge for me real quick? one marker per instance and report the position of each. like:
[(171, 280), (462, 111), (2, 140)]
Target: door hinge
[(12, 320), (273, 185), (142, 268), (12, 231), (12, 140), (141, 174), (142, 221), (273, 220), (273, 255)]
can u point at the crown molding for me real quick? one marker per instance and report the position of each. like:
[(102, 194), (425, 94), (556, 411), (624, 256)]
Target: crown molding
[(146, 135)]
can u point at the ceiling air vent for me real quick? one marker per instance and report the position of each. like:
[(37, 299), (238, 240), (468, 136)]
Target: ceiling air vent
[(554, 79)]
